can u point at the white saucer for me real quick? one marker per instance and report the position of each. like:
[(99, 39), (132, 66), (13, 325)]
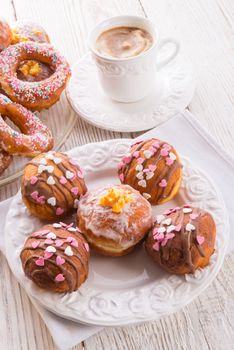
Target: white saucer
[(173, 92)]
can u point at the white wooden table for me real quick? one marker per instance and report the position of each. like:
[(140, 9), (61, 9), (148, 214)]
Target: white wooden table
[(205, 29)]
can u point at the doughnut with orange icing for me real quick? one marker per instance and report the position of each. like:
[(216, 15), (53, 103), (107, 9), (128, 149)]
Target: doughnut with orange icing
[(153, 168), (5, 35), (182, 239), (29, 32), (56, 258), (114, 219), (52, 185), (39, 94), (35, 137)]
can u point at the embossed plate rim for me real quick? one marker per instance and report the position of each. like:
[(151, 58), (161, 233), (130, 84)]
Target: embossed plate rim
[(60, 303)]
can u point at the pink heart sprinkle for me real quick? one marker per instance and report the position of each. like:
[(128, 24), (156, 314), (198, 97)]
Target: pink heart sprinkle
[(59, 278), (156, 145), (169, 161), (156, 246), (60, 260), (178, 228), (152, 149), (33, 180), (146, 170), (58, 243), (34, 195), (127, 159), (35, 244), (74, 243), (59, 211), (166, 147), (152, 167), (193, 216), (41, 199), (200, 239), (70, 239), (48, 241), (136, 154), (40, 233), (186, 206), (40, 261), (75, 190), (163, 183), (140, 160), (86, 245), (63, 180), (79, 174), (164, 152), (159, 236), (47, 255), (121, 177), (120, 165)]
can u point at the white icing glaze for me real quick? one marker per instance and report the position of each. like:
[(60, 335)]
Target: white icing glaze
[(118, 227)]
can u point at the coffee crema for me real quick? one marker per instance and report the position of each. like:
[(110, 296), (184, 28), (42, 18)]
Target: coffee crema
[(123, 42)]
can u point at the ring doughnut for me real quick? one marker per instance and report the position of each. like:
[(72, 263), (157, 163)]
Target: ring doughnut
[(29, 32), (5, 160), (5, 35), (35, 137), (36, 95)]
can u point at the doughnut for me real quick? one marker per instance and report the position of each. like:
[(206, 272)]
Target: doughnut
[(153, 168), (39, 94), (56, 258), (5, 35), (5, 160), (182, 239), (51, 185), (114, 219), (29, 32), (35, 137)]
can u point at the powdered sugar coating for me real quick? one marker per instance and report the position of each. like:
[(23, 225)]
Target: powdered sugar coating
[(123, 227)]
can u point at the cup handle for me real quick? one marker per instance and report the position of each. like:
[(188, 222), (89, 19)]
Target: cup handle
[(161, 63)]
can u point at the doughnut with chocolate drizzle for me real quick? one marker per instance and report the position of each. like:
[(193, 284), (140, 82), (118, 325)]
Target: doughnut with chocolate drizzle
[(182, 239), (52, 185), (56, 258), (153, 168)]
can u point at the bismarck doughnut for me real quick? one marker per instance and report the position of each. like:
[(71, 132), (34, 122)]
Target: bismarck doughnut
[(182, 239), (52, 185), (114, 219), (153, 168), (56, 258)]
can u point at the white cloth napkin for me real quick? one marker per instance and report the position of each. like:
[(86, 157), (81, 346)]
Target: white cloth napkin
[(184, 132)]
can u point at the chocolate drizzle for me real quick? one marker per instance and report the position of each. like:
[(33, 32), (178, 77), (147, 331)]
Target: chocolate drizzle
[(68, 269)]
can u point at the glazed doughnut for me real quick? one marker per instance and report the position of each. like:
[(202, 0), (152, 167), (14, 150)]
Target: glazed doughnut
[(52, 185), (56, 258), (35, 137), (153, 168), (182, 239), (5, 35), (37, 95), (5, 160), (29, 32), (114, 219)]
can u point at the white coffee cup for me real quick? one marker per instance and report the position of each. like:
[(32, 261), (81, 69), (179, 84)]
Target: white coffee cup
[(130, 79)]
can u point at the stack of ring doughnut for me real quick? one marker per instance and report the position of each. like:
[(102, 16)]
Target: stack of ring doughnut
[(33, 95), (35, 137)]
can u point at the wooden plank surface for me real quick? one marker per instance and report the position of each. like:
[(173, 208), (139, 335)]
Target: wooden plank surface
[(205, 29)]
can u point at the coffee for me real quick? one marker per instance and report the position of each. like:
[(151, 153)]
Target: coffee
[(123, 42)]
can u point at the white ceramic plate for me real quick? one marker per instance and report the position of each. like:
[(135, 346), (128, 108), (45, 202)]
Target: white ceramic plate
[(129, 289), (173, 92)]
